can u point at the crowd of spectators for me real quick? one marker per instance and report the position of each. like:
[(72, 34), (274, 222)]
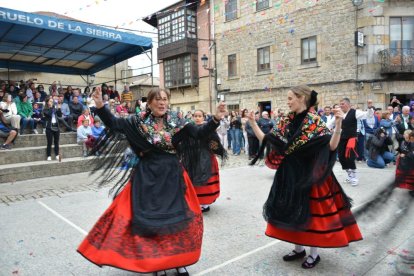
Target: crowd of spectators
[(22, 107)]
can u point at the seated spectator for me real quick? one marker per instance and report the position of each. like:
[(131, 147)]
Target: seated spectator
[(68, 94), (111, 106), (76, 108), (97, 129), (25, 110), (66, 119), (8, 133), (122, 108), (379, 153), (131, 110), (83, 133), (85, 95), (10, 111), (85, 115), (77, 94), (13, 90), (37, 115), (138, 107), (412, 108), (30, 92), (116, 101), (41, 90)]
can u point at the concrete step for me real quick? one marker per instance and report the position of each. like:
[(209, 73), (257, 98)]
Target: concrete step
[(39, 140), (23, 171), (31, 154)]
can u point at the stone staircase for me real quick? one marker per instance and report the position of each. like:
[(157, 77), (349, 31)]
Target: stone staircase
[(27, 159)]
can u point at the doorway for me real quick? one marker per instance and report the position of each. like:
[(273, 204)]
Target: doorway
[(265, 106)]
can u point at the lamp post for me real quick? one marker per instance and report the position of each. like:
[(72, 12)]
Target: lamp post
[(357, 2), (204, 62)]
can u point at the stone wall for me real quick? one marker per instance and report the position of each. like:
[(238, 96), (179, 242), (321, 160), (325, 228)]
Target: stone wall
[(341, 70)]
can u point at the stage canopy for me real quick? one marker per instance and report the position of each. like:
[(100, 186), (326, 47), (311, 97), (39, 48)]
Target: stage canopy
[(40, 43)]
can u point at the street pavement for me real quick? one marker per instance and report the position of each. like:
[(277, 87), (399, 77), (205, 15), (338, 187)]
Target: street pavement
[(44, 220)]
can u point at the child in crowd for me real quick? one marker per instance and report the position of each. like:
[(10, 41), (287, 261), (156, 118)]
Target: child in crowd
[(37, 115), (97, 128), (83, 133)]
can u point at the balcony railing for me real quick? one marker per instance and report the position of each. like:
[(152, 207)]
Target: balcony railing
[(400, 60)]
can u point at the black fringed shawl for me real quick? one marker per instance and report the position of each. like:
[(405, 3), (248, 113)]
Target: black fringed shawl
[(158, 187), (302, 141), (195, 155)]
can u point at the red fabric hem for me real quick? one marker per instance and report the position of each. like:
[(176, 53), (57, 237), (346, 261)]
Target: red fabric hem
[(341, 238)]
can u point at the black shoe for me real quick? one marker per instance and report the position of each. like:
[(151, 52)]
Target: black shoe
[(205, 209), (183, 273), (294, 256), (307, 265)]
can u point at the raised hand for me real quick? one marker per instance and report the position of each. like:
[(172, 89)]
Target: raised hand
[(97, 97), (251, 116), (338, 113), (221, 111)]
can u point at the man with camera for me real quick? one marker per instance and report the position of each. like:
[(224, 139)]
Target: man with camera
[(379, 154)]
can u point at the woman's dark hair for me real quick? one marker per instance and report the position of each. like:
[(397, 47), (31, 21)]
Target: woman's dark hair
[(157, 92), (47, 99), (202, 112), (244, 112), (22, 95), (86, 90)]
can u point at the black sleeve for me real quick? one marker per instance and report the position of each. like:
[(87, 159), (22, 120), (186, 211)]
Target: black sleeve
[(59, 112), (47, 113), (110, 121), (195, 132)]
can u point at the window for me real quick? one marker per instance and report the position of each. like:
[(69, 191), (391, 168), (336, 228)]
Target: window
[(177, 71), (262, 4), (233, 107), (177, 26), (263, 58), (231, 10), (309, 49), (232, 61)]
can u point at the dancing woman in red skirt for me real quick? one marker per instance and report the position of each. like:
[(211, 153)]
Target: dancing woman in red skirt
[(306, 205), (204, 174), (155, 221)]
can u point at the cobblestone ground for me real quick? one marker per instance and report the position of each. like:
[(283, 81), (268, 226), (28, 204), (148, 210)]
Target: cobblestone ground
[(59, 185)]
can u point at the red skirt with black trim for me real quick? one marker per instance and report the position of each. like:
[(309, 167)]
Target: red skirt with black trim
[(331, 223), (404, 178), (208, 192), (111, 243)]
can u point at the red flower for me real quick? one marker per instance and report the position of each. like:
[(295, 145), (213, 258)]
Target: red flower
[(312, 127)]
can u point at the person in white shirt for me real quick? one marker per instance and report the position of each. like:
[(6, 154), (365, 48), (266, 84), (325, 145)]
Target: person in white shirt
[(11, 115), (347, 144)]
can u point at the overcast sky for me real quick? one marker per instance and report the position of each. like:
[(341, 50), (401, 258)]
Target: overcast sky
[(121, 13)]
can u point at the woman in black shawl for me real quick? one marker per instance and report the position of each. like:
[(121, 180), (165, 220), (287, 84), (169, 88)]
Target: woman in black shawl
[(204, 173), (306, 205), (154, 222)]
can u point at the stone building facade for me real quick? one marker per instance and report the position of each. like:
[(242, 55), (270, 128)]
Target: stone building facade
[(265, 47), (180, 50)]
